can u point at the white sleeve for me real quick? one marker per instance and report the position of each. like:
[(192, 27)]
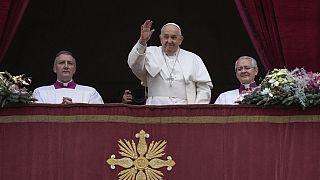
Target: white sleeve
[(136, 61), (96, 98), (203, 93), (219, 100), (36, 95)]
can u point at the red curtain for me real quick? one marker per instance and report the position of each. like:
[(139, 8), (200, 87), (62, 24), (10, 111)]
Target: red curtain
[(73, 142), (286, 34), (11, 12)]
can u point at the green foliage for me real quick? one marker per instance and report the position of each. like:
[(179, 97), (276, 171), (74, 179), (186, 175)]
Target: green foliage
[(12, 89), (287, 88)]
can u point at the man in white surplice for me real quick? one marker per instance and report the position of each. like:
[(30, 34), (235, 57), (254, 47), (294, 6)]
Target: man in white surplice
[(172, 75), (246, 70), (65, 90)]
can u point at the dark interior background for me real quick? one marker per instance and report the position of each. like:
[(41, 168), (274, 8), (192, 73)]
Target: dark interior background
[(100, 34)]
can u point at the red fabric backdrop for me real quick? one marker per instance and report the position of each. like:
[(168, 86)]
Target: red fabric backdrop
[(76, 146), (286, 34), (233, 151), (11, 12)]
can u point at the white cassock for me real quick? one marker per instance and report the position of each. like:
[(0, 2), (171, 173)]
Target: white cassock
[(228, 97), (179, 79), (81, 94)]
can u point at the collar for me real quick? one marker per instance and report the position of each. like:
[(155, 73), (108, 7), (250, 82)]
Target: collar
[(71, 84), (173, 55), (245, 88)]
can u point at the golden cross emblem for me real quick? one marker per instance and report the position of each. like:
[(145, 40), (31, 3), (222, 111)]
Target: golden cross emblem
[(141, 162)]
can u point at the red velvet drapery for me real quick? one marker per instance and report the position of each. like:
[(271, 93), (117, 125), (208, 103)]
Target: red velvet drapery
[(11, 12), (286, 34)]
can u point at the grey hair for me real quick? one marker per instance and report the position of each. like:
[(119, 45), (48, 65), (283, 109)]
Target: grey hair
[(63, 52), (173, 24), (253, 61)]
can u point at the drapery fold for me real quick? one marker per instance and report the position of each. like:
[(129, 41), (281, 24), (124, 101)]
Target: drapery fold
[(11, 13), (285, 34)]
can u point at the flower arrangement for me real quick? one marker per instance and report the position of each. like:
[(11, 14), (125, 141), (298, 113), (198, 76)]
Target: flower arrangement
[(284, 87), (12, 89)]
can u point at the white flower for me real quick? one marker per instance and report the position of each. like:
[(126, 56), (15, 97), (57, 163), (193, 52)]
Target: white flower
[(271, 81), (265, 91), (14, 88), (294, 86)]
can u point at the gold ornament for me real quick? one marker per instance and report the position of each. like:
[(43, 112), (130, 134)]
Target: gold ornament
[(140, 162)]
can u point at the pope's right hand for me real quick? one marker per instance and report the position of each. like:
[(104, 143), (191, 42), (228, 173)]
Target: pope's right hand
[(146, 32)]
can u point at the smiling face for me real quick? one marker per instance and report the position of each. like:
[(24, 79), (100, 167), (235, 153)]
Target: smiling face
[(65, 67), (170, 38), (246, 69)]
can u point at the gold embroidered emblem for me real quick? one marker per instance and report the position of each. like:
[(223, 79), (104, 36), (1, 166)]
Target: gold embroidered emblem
[(140, 162)]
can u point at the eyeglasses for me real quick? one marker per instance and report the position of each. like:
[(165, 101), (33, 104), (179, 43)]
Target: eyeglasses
[(246, 68)]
